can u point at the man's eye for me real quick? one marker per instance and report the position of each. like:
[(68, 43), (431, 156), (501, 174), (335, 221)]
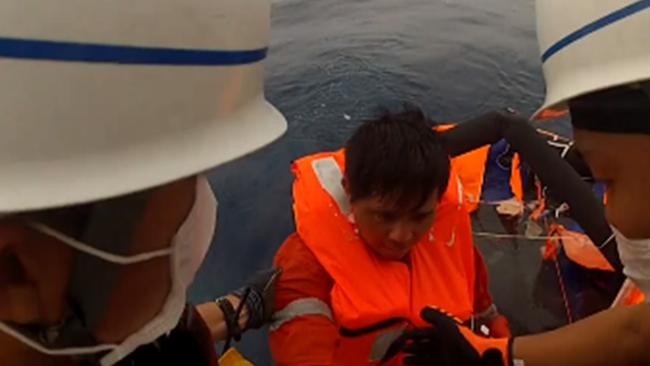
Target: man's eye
[(421, 217), (386, 216)]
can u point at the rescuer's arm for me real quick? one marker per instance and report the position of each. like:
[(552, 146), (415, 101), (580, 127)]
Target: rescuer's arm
[(558, 175), (618, 336)]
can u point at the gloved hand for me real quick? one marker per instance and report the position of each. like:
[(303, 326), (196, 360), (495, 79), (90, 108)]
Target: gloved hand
[(448, 343), (259, 297)]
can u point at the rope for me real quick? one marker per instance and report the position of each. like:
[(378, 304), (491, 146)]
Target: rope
[(485, 234), (565, 298)]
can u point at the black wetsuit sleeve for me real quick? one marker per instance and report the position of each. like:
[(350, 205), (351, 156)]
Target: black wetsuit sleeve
[(555, 173), (190, 343)]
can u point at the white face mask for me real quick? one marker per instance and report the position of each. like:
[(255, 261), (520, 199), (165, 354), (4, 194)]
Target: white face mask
[(186, 252), (635, 256)]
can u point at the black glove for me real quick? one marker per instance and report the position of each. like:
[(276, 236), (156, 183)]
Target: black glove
[(259, 297), (448, 343)]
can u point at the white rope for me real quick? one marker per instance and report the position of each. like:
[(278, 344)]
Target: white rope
[(6, 329), (518, 236), (609, 240), (564, 146)]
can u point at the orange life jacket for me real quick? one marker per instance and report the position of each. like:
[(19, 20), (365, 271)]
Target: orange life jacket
[(470, 167), (369, 291)]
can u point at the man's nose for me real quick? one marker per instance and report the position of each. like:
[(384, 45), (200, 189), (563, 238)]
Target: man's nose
[(401, 233)]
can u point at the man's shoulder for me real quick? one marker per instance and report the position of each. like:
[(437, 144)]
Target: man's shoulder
[(302, 274), (293, 250)]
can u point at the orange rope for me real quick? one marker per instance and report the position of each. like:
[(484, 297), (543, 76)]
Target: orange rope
[(565, 298), (541, 202)]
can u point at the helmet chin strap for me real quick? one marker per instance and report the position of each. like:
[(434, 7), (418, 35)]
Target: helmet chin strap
[(110, 228)]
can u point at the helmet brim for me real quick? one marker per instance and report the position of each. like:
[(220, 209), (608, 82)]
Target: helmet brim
[(28, 186)]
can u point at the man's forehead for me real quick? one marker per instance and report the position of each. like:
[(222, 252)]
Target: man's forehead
[(394, 206), (592, 141), (588, 142)]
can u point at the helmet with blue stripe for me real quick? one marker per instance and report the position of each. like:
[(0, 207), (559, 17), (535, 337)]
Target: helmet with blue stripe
[(591, 45), (103, 98)]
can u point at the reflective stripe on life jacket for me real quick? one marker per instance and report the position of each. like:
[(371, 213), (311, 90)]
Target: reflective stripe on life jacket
[(373, 298), (300, 308)]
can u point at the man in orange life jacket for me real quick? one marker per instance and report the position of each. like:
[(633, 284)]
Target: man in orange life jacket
[(382, 232)]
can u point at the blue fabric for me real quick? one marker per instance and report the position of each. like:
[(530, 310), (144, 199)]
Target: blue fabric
[(496, 183)]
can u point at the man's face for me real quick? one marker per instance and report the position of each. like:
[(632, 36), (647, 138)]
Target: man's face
[(389, 230), (36, 269), (622, 161)]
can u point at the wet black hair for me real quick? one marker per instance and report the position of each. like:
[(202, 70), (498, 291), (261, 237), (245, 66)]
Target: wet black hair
[(396, 156)]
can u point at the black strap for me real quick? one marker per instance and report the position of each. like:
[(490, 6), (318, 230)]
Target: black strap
[(231, 318)]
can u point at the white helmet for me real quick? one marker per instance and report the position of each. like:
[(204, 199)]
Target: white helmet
[(591, 45), (104, 98)]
